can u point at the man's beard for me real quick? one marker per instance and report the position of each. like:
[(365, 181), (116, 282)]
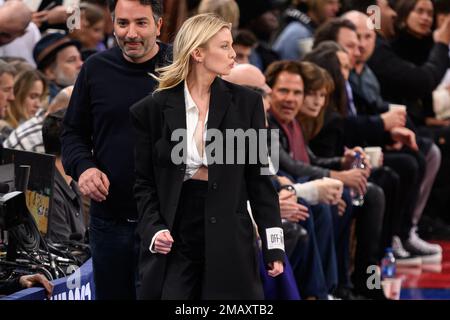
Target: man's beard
[(135, 55), (64, 81)]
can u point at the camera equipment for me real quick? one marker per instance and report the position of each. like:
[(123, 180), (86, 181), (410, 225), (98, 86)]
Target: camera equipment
[(24, 249)]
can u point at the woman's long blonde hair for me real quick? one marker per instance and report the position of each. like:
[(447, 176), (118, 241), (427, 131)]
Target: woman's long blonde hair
[(194, 33), (16, 113)]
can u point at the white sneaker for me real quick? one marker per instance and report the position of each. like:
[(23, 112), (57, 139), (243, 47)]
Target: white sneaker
[(403, 257), (430, 253)]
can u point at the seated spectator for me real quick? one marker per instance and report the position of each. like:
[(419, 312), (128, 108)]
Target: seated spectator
[(59, 59), (244, 41), (28, 135), (22, 46), (14, 19), (296, 38), (66, 216), (413, 43), (30, 92), (108, 39), (441, 96), (92, 30), (314, 269), (404, 159), (27, 281), (369, 217), (7, 73), (260, 18), (297, 161), (400, 80)]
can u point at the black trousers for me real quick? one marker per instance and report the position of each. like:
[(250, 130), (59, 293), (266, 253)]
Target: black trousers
[(185, 262), (410, 169)]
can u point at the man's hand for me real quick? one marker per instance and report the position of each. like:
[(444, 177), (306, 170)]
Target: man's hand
[(404, 136), (395, 117), (341, 207), (53, 16), (290, 209), (354, 178), (275, 268), (37, 279), (330, 190), (163, 242), (442, 34), (433, 122), (350, 155), (94, 184)]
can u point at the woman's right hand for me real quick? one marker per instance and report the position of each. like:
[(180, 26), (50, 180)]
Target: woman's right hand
[(163, 242)]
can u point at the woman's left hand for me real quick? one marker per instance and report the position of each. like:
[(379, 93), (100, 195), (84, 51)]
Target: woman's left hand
[(275, 268)]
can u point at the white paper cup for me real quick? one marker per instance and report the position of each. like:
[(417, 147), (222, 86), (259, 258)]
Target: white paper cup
[(396, 288), (374, 154), (397, 106), (386, 285), (392, 288), (305, 45)]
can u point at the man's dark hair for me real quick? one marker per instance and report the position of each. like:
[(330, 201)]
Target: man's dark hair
[(100, 3), (51, 131), (277, 67), (245, 38), (329, 31), (156, 5), (442, 7)]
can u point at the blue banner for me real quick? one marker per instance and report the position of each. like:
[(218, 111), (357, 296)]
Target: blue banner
[(77, 286)]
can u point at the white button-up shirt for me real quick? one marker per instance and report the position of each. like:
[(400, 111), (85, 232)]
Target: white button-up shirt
[(193, 160)]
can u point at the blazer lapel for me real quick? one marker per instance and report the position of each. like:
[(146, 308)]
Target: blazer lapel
[(219, 101)]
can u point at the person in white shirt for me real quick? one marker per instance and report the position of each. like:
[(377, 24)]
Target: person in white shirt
[(197, 239)]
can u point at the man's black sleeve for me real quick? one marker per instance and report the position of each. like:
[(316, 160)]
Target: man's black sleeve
[(76, 138)]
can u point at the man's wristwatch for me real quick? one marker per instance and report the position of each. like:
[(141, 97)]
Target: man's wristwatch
[(289, 187)]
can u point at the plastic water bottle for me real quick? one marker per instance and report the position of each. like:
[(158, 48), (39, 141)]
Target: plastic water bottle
[(357, 198), (388, 268)]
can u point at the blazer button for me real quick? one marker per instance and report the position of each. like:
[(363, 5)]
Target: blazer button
[(212, 220), (182, 169), (214, 186)]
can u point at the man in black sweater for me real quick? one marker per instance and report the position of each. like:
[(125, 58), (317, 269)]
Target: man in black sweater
[(97, 144)]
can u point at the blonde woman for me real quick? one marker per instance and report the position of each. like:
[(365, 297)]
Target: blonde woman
[(197, 239), (31, 94)]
